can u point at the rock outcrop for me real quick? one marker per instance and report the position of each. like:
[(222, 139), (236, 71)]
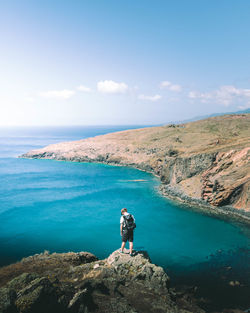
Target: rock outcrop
[(206, 161), (79, 282), (219, 188)]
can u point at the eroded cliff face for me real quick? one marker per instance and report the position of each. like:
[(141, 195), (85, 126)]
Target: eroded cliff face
[(80, 283), (227, 180), (178, 169), (206, 160)]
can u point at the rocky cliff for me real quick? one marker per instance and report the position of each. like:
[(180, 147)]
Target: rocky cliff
[(79, 282), (204, 162)]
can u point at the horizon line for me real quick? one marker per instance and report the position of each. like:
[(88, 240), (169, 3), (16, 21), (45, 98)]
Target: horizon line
[(83, 125)]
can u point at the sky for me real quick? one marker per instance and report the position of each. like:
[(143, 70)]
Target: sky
[(115, 62)]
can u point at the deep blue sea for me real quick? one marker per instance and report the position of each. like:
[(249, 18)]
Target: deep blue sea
[(66, 206)]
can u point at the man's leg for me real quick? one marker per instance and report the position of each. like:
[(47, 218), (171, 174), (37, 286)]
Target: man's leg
[(131, 239), (131, 245), (124, 239), (123, 246)]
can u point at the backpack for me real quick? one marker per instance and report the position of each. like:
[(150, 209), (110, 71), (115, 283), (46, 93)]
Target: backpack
[(129, 222)]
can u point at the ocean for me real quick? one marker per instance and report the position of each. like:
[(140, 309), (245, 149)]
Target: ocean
[(65, 206)]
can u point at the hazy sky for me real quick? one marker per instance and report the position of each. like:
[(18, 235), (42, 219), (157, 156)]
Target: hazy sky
[(122, 62)]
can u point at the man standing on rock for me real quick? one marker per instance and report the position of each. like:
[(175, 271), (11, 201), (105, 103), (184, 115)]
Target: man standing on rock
[(127, 226)]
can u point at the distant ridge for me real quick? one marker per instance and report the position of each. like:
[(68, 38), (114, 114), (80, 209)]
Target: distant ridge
[(203, 117)]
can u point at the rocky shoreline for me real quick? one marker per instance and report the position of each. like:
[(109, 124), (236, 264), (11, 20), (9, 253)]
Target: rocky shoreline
[(171, 192), (228, 213)]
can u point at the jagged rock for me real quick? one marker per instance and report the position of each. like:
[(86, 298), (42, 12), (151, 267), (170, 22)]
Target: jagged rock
[(45, 264), (76, 304), (7, 300), (39, 296), (119, 284), (140, 268), (21, 281)]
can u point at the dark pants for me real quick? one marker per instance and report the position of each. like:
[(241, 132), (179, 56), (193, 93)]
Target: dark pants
[(127, 235)]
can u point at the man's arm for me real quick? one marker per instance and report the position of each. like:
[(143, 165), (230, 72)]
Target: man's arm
[(121, 223)]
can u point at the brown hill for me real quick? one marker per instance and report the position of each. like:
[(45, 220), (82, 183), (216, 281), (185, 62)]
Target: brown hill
[(204, 162)]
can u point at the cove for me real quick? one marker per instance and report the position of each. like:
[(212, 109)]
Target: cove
[(64, 206)]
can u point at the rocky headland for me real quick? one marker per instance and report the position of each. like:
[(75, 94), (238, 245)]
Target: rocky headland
[(80, 283), (204, 164)]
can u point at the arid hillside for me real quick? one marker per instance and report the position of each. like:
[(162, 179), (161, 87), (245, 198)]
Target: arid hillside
[(205, 161)]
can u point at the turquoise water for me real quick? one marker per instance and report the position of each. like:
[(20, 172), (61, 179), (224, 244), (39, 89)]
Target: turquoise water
[(66, 206)]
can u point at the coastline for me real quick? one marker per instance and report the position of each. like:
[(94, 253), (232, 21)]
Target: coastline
[(199, 164), (227, 213)]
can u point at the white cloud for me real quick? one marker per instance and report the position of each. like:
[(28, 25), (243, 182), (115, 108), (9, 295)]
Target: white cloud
[(29, 99), (175, 88), (165, 84), (170, 86), (109, 86), (193, 95), (57, 94), (224, 95), (199, 95), (244, 107), (83, 88), (150, 98)]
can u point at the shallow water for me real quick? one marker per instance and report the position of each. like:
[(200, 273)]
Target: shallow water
[(67, 206)]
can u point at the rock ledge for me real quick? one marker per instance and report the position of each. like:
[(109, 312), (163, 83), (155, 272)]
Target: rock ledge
[(80, 283)]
